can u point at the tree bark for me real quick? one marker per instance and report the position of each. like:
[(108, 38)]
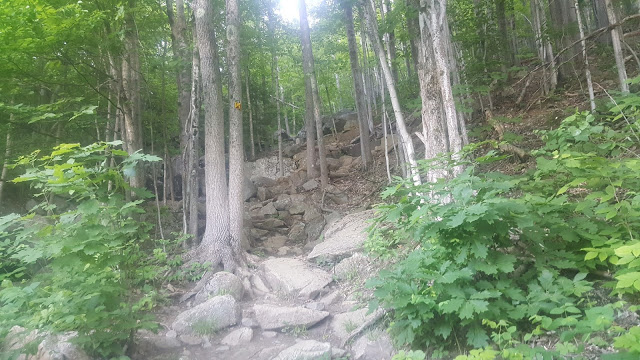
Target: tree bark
[(585, 58), (413, 29), (5, 163), (236, 146), (190, 181), (131, 84), (366, 80), (436, 20), (390, 36), (617, 47), (545, 50), (361, 107), (309, 72), (251, 139), (377, 46), (216, 242), (434, 129)]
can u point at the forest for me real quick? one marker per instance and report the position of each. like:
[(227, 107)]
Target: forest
[(171, 170)]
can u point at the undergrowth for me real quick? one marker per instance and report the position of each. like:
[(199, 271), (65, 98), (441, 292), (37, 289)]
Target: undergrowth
[(511, 265), (89, 267)]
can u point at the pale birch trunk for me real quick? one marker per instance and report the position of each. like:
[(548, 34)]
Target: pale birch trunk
[(587, 72), (377, 46), (617, 47)]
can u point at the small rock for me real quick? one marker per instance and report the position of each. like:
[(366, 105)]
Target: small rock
[(332, 298), (206, 344), (272, 317), (221, 283), (275, 242), (269, 224), (294, 276), (171, 334), (298, 208), (297, 233), (375, 345), (222, 348), (249, 322), (283, 202), (268, 209), (259, 284), (310, 185), (190, 339), (345, 323), (269, 334), (306, 350), (352, 267), (239, 336), (215, 314)]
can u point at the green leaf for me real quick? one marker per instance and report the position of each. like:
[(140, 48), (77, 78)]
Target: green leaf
[(477, 337)]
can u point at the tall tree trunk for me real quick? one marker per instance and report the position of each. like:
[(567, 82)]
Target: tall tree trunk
[(309, 72), (7, 155), (236, 146), (216, 242), (545, 50), (188, 114), (339, 97), (361, 107), (436, 20), (190, 181), (602, 19), (251, 139), (391, 39), (131, 84), (377, 46), (366, 80), (585, 58), (310, 129), (413, 29), (276, 88), (502, 26), (286, 119), (617, 47), (434, 129)]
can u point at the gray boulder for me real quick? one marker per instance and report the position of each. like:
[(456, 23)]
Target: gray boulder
[(345, 323), (306, 350), (214, 314), (271, 317), (50, 347), (249, 190), (293, 276), (373, 346), (238, 336), (344, 237), (221, 283)]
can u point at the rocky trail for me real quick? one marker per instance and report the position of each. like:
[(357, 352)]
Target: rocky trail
[(304, 296)]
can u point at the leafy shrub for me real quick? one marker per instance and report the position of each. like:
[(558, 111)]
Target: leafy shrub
[(496, 260), (80, 269)]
